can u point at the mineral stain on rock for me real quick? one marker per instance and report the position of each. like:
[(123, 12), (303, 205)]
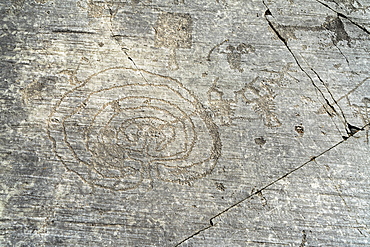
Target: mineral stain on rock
[(260, 141), (299, 129)]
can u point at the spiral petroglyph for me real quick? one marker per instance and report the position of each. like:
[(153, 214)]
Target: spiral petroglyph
[(122, 126)]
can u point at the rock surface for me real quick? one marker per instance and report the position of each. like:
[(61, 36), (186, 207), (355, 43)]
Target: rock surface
[(185, 123)]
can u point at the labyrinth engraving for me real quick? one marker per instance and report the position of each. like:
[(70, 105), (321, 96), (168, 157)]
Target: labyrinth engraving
[(121, 126)]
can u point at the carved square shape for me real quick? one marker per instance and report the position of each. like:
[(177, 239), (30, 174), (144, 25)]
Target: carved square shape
[(173, 30)]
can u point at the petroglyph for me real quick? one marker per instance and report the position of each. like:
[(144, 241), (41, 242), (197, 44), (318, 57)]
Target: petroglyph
[(98, 9), (350, 5), (221, 108), (214, 48), (283, 76), (333, 24), (94, 8), (122, 126), (38, 88), (234, 55), (173, 30), (261, 97)]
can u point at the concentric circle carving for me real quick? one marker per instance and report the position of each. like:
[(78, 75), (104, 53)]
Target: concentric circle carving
[(122, 126)]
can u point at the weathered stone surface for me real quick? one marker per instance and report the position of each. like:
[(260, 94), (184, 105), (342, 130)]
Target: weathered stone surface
[(184, 123)]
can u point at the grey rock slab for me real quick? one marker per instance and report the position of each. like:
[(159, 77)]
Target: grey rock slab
[(333, 203), (184, 123)]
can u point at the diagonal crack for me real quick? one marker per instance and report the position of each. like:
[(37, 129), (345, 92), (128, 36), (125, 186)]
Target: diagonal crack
[(350, 129), (346, 124), (112, 14), (351, 132), (345, 17), (211, 224), (340, 51), (268, 13)]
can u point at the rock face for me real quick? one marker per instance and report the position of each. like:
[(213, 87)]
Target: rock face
[(184, 123)]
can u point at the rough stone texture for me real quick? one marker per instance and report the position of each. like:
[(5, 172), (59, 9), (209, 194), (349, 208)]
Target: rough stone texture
[(184, 123)]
